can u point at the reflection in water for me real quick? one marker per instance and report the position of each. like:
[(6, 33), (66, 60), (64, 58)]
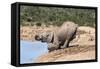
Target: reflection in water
[(30, 51)]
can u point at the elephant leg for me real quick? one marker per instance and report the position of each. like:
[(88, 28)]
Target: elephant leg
[(56, 42), (52, 47), (65, 44)]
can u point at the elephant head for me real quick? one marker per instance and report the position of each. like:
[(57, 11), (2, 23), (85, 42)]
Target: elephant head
[(44, 37)]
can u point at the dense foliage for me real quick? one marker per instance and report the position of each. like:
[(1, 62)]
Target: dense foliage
[(35, 15)]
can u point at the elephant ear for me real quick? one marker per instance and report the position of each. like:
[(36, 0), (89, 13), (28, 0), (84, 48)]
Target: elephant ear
[(50, 37)]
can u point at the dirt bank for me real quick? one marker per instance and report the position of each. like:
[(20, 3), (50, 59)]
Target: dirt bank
[(69, 54)]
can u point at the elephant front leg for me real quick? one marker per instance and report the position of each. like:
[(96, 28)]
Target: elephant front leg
[(52, 47)]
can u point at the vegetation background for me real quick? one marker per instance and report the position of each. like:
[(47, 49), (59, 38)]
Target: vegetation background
[(36, 15)]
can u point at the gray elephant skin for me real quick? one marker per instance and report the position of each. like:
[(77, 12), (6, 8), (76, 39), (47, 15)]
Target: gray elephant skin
[(60, 38)]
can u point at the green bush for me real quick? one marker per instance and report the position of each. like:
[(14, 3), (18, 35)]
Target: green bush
[(56, 16)]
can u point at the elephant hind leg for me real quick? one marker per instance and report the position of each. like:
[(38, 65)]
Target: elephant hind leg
[(65, 44)]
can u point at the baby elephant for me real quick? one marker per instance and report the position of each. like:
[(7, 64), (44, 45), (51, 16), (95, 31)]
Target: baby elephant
[(60, 38)]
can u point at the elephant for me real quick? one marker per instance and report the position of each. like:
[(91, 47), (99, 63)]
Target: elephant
[(60, 38)]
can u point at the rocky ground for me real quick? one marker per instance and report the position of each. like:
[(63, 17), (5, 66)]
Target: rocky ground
[(81, 48)]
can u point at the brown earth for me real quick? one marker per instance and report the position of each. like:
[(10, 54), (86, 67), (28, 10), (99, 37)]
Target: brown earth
[(81, 48), (69, 54), (29, 32)]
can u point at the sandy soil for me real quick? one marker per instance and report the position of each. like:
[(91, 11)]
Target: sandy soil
[(29, 32), (69, 54), (81, 48)]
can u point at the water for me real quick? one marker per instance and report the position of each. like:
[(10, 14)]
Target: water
[(30, 51)]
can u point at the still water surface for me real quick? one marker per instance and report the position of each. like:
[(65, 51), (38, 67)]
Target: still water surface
[(30, 51)]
